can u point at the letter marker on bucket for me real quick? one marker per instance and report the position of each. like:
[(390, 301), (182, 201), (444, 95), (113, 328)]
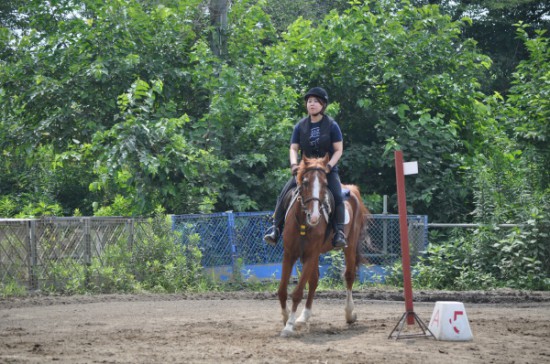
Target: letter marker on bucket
[(449, 322)]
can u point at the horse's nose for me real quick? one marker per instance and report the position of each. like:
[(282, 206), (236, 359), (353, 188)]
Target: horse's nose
[(314, 218)]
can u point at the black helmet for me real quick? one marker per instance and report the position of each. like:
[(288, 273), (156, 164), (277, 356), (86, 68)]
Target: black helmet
[(317, 92)]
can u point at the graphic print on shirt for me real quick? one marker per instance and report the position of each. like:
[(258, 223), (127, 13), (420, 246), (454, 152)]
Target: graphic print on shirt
[(315, 134)]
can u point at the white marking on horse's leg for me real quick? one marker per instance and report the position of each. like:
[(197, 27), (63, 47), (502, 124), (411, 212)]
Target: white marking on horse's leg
[(289, 327), (304, 317), (351, 317)]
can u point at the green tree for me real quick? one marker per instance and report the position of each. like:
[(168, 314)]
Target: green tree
[(284, 12), (130, 99), (493, 29), (508, 173), (529, 103), (147, 158), (250, 113), (63, 72), (401, 75)]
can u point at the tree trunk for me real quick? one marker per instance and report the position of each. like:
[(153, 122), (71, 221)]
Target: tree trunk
[(218, 20)]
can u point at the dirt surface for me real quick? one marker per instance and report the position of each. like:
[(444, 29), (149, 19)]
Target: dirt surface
[(241, 327)]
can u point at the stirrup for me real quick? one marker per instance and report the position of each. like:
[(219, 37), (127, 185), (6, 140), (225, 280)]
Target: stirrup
[(339, 241), (272, 237)]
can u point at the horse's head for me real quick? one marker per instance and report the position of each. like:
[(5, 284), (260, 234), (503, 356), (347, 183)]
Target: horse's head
[(313, 185)]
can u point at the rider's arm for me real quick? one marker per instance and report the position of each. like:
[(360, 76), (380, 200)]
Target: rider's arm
[(338, 150), (293, 153)]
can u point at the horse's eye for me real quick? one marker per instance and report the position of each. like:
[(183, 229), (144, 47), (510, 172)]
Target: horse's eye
[(305, 181)]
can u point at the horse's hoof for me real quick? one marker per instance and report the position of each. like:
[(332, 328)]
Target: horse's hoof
[(287, 333), (352, 319)]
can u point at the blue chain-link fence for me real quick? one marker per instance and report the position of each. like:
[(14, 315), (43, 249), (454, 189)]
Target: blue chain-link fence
[(232, 244)]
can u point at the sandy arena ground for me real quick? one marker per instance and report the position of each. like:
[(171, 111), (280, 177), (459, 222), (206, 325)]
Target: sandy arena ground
[(508, 327)]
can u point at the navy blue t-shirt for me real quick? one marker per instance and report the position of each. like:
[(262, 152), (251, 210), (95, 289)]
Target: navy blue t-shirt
[(315, 133)]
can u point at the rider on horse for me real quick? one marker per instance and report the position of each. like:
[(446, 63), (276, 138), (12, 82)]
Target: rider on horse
[(314, 136)]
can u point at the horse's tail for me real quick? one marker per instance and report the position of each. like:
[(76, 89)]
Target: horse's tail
[(365, 240), (364, 221)]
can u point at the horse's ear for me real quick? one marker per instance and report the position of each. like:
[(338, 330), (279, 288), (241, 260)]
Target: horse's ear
[(326, 159)]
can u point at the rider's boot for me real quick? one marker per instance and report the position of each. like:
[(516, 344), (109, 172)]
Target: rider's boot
[(339, 241), (274, 232)]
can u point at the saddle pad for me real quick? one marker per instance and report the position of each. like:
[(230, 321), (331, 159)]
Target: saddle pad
[(346, 193)]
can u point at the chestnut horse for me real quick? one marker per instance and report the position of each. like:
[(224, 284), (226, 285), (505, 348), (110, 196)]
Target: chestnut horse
[(307, 235)]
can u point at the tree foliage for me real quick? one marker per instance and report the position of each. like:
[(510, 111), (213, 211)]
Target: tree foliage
[(128, 102), (118, 108), (61, 82), (403, 78), (494, 31), (509, 177)]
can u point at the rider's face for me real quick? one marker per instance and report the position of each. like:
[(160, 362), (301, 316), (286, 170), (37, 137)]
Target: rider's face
[(314, 106)]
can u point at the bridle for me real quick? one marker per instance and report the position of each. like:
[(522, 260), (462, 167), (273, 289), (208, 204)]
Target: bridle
[(305, 202)]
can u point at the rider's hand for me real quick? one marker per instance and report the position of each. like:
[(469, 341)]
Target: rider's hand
[(294, 169)]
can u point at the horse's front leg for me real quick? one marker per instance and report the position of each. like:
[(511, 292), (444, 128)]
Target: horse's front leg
[(349, 276), (307, 311), (297, 295), (351, 316), (296, 298), (288, 262)]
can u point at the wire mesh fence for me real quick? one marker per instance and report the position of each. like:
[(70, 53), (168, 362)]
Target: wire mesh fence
[(232, 243), (46, 252), (39, 253)]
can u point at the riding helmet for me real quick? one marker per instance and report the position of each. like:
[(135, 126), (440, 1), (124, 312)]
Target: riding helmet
[(317, 92)]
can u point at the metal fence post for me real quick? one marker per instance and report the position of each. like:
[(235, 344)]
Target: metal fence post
[(130, 226), (231, 237), (385, 227), (87, 241), (87, 250), (426, 242), (33, 281)]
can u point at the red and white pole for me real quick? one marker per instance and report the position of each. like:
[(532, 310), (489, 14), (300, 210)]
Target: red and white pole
[(404, 233)]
